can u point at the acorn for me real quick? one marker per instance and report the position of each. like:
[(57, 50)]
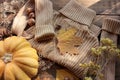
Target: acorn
[(29, 10), (31, 15), (31, 22)]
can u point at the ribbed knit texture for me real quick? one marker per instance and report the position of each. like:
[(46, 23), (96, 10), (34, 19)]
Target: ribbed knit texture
[(111, 25), (44, 15), (60, 19), (95, 29), (75, 11), (72, 15), (50, 51)]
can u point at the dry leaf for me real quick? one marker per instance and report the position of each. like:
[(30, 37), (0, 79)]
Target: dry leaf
[(68, 42), (65, 75), (45, 76)]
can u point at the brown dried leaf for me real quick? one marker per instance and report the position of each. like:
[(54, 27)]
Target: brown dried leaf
[(45, 76), (65, 75), (68, 42)]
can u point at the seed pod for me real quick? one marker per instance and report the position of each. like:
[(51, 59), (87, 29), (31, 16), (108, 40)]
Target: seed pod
[(31, 22)]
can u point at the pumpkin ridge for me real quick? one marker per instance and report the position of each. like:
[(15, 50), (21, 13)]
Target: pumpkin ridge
[(30, 52), (2, 50), (2, 68), (26, 61), (26, 44), (19, 74), (8, 74), (28, 69)]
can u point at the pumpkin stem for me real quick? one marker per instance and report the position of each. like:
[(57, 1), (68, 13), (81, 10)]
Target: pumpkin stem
[(7, 58)]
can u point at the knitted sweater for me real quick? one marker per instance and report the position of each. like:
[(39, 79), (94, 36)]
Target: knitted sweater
[(77, 14), (73, 14)]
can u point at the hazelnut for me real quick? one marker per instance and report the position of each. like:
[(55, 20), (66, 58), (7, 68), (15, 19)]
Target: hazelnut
[(29, 10), (31, 15), (31, 22)]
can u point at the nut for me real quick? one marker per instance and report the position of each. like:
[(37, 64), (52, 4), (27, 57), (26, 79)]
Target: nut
[(31, 22), (31, 15), (29, 10)]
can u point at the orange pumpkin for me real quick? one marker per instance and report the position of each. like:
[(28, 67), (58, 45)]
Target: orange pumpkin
[(18, 60)]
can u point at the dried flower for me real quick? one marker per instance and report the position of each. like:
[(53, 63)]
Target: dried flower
[(88, 78)]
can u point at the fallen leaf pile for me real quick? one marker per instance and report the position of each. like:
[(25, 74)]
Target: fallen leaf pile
[(68, 42)]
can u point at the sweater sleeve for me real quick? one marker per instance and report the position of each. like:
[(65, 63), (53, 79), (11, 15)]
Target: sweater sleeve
[(44, 14), (111, 25), (77, 12)]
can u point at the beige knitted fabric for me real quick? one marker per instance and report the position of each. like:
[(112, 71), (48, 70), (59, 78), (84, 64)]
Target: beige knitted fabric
[(50, 51), (44, 14), (72, 15), (111, 25), (60, 19), (75, 11), (77, 15)]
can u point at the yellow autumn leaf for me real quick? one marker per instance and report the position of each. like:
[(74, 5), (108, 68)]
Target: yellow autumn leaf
[(64, 74), (68, 42)]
